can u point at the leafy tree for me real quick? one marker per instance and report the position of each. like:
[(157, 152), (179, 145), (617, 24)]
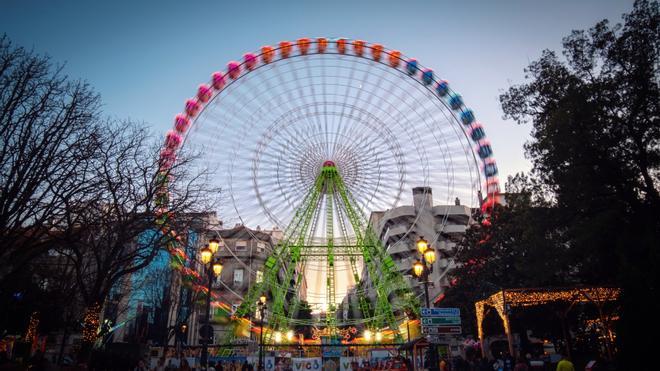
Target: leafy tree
[(522, 246), (305, 314), (596, 145)]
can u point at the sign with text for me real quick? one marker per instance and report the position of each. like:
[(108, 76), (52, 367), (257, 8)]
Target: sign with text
[(449, 330), (440, 321), (328, 349), (441, 312), (306, 364), (351, 363)]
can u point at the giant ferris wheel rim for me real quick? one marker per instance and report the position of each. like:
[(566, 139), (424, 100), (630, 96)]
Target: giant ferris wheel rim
[(461, 116)]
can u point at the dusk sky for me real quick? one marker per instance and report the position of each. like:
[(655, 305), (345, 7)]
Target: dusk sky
[(147, 57)]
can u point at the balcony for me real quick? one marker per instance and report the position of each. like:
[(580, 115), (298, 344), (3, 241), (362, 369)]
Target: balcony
[(456, 214), (398, 212), (450, 228), (398, 248)]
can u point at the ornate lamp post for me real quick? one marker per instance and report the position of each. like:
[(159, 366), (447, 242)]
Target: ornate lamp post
[(422, 269), (213, 268), (262, 307)]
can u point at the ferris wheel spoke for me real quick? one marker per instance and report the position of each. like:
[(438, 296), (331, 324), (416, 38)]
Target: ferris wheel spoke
[(313, 97), (325, 107), (356, 99), (345, 97)]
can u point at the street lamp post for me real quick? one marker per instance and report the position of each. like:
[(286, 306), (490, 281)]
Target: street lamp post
[(262, 307), (422, 269), (213, 268)]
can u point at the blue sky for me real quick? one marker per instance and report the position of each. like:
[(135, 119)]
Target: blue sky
[(147, 57)]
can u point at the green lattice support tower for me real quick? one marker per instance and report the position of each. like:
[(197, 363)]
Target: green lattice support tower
[(284, 269), (330, 319)]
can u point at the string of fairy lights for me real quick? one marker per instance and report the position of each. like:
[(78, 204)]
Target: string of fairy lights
[(505, 299), (91, 323), (31, 332)]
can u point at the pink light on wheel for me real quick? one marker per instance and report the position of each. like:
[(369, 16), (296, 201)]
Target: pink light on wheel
[(233, 69), (167, 157), (489, 203), (218, 80), (172, 140), (181, 123), (204, 93), (192, 107), (167, 162), (250, 61), (166, 152), (492, 185)]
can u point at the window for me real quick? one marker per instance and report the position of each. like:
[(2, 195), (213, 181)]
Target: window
[(259, 277), (261, 247), (238, 276), (241, 245)]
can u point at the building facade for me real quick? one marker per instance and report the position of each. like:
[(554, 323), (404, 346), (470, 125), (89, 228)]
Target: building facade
[(243, 252), (400, 228)]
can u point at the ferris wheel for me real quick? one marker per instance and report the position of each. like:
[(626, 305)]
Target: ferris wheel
[(271, 124)]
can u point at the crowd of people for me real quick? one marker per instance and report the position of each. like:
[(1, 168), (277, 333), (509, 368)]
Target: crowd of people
[(503, 363), (173, 364)]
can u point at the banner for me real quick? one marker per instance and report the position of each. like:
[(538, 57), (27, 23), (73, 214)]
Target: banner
[(350, 363), (330, 351), (305, 364), (269, 363)]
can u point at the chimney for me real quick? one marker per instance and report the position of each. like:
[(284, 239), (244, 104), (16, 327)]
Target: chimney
[(422, 197)]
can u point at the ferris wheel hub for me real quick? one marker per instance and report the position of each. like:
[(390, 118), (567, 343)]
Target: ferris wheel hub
[(329, 163)]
